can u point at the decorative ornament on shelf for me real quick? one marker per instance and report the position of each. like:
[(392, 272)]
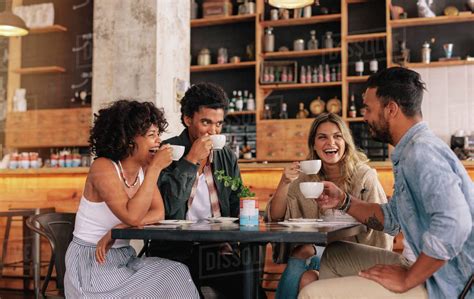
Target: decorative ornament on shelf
[(291, 4), (424, 10)]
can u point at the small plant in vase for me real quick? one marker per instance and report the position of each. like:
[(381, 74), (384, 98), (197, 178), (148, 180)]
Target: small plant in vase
[(234, 183), (248, 205)]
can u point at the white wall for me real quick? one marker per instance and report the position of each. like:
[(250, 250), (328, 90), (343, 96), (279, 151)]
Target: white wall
[(449, 103)]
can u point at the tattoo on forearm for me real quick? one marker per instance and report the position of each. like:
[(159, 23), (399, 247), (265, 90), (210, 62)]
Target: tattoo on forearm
[(373, 223)]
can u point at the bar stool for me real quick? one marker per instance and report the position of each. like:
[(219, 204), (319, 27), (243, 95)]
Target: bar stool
[(31, 246)]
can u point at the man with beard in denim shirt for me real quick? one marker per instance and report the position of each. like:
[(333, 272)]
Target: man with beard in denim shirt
[(432, 204)]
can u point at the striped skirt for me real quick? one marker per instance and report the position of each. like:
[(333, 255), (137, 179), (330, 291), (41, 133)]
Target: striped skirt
[(123, 275)]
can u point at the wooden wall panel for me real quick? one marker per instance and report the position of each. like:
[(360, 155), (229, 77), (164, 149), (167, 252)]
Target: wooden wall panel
[(48, 128)]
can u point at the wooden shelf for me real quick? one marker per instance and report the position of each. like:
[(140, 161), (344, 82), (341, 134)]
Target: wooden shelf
[(357, 79), (410, 22), (302, 21), (237, 113), (299, 85), (48, 29), (355, 119), (221, 67), (357, 1), (305, 53), (438, 64), (365, 37), (222, 20), (40, 70)]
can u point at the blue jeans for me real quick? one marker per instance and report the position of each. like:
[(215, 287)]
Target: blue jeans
[(290, 279)]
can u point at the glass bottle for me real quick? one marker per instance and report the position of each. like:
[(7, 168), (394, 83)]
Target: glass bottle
[(339, 74), (267, 113), (251, 103), (271, 75), (266, 75), (373, 65), (239, 103), (328, 42), (320, 73), (303, 75), (315, 75), (327, 74), (245, 99), (302, 112), (359, 66), (269, 40), (284, 75), (333, 74), (290, 75), (309, 73), (232, 102), (313, 42), (352, 107), (283, 112)]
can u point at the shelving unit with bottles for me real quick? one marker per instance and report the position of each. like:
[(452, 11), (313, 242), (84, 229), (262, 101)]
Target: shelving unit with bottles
[(285, 139), (358, 26), (221, 32)]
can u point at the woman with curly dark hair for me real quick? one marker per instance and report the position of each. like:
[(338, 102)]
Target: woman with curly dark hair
[(121, 191)]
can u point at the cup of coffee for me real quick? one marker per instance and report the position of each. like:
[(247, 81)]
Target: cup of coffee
[(218, 141), (310, 166), (311, 189), (178, 151)]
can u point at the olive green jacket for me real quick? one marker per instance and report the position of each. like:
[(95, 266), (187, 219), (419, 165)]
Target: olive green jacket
[(176, 181)]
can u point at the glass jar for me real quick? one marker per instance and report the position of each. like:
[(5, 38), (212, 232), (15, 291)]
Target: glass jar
[(328, 42), (269, 40), (222, 56), (204, 57), (313, 42)]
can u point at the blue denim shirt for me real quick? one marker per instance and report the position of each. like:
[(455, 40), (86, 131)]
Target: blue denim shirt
[(433, 205)]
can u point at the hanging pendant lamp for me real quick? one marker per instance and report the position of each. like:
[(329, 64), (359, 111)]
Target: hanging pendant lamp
[(12, 25), (290, 4)]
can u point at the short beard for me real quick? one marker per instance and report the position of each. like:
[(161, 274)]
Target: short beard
[(381, 131)]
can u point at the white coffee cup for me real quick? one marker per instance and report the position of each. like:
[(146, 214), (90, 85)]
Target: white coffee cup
[(178, 151), (310, 166), (218, 141), (311, 189)]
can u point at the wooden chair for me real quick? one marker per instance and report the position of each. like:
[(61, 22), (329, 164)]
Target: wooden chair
[(57, 228)]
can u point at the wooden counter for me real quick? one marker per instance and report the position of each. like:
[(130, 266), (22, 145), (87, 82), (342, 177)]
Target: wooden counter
[(62, 188)]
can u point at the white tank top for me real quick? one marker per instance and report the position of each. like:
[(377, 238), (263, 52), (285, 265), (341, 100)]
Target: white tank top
[(95, 219)]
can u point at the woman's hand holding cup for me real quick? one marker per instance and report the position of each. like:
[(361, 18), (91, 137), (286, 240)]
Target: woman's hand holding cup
[(163, 157), (291, 172)]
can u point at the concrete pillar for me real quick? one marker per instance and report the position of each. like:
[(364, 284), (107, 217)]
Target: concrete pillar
[(140, 48)]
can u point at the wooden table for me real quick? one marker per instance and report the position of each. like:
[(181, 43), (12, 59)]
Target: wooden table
[(250, 238)]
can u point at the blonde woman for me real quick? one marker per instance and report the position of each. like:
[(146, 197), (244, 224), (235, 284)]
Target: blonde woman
[(330, 141)]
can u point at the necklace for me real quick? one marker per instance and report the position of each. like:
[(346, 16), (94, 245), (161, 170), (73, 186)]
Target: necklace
[(125, 180)]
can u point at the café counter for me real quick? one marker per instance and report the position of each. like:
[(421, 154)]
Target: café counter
[(62, 187)]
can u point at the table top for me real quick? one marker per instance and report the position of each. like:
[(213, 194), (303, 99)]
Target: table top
[(222, 232)]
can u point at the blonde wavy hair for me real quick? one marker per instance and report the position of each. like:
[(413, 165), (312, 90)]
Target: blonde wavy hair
[(351, 158)]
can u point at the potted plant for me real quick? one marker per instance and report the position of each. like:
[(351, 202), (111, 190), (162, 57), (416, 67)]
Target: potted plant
[(234, 183), (248, 202)]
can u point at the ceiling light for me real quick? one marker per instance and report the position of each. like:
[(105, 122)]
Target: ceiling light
[(290, 4), (12, 25)]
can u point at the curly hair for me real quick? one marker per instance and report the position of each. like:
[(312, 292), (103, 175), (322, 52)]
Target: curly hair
[(206, 95), (115, 127), (352, 157)]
